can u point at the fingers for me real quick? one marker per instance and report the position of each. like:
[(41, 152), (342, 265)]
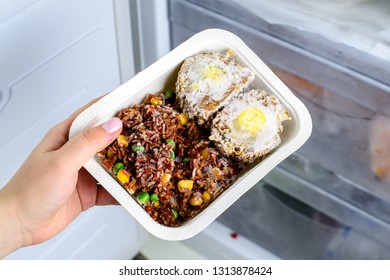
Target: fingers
[(90, 193), (103, 197), (80, 148)]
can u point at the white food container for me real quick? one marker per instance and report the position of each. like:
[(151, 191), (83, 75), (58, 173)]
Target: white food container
[(162, 76)]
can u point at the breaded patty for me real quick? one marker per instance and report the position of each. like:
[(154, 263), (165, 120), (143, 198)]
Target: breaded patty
[(207, 81), (249, 126)]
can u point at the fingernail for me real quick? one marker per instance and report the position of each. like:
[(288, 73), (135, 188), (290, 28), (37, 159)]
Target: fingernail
[(112, 125)]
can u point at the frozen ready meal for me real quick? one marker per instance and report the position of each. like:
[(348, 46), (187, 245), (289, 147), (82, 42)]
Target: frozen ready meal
[(180, 149), (201, 126)]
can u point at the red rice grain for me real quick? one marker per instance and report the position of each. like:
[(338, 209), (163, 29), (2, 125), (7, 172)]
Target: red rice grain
[(150, 126)]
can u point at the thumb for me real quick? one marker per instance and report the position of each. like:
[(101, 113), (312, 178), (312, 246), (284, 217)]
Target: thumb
[(83, 146)]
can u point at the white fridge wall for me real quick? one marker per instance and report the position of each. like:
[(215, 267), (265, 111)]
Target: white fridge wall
[(55, 56), (101, 233)]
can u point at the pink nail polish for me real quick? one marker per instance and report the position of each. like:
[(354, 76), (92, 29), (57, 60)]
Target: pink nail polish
[(112, 125)]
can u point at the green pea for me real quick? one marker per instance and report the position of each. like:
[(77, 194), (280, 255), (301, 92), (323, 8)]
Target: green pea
[(175, 214), (143, 197), (138, 148), (118, 166), (170, 141), (172, 155), (186, 160), (170, 95), (154, 197)]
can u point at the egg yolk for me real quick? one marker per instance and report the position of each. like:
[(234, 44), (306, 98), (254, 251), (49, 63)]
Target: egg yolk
[(251, 120), (213, 73), (195, 86)]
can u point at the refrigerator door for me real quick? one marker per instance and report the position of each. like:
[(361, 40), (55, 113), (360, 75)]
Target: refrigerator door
[(55, 56)]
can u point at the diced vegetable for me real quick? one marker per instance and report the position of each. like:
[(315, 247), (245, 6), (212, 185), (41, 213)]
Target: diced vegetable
[(138, 148), (110, 153), (166, 177), (155, 101), (196, 200), (143, 197), (206, 195), (123, 176), (185, 185), (154, 197), (171, 142), (217, 173), (205, 153), (118, 166), (183, 119), (175, 214), (122, 141), (170, 95)]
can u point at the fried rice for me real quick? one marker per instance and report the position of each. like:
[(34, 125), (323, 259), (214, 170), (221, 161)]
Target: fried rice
[(166, 161)]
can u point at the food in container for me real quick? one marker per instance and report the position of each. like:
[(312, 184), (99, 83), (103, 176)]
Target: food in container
[(166, 161), (162, 75), (249, 126), (207, 81)]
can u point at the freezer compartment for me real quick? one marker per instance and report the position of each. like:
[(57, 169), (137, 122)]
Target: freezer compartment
[(349, 138), (350, 107), (339, 30), (292, 229)]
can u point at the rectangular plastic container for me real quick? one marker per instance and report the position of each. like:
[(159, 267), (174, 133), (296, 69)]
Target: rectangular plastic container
[(162, 76)]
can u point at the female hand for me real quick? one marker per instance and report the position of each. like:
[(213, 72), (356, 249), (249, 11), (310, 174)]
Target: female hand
[(51, 188)]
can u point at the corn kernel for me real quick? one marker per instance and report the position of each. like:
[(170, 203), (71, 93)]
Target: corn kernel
[(122, 141), (110, 153), (156, 203), (185, 185), (166, 177), (196, 200), (155, 101), (205, 153), (251, 120), (217, 173), (206, 195), (183, 119), (123, 176)]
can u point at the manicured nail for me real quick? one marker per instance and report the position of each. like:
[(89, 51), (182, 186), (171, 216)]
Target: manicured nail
[(112, 125)]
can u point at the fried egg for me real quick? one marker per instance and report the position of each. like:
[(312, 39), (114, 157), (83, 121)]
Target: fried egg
[(249, 126), (207, 81)]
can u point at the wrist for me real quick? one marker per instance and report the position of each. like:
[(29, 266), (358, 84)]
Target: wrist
[(12, 236)]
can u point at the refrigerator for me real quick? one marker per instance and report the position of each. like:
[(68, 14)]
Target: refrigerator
[(329, 200)]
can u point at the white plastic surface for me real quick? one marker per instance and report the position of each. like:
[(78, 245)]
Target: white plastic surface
[(56, 56), (215, 242), (53, 59), (97, 234), (162, 75)]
